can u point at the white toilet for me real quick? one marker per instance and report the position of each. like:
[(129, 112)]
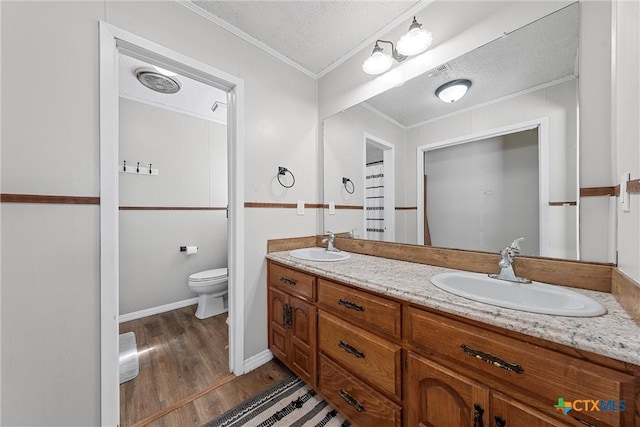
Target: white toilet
[(211, 286)]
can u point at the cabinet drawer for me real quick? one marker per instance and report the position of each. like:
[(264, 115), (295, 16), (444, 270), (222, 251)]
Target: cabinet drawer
[(537, 371), (358, 402), (361, 308), (292, 281), (366, 355)]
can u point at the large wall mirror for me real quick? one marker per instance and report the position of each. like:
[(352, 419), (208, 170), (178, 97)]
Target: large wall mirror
[(500, 163)]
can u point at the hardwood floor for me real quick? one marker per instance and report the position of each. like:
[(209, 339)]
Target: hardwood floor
[(180, 358)]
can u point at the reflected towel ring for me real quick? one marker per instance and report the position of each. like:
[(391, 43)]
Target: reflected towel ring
[(283, 171), (353, 186)]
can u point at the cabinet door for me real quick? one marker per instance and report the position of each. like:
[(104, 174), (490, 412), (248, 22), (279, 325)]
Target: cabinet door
[(439, 397), (278, 334), (507, 412), (303, 339)]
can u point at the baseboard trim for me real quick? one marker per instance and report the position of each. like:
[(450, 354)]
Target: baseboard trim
[(258, 360), (157, 310)]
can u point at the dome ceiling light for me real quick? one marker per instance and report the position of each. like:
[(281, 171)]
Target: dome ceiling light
[(454, 90), (413, 42)]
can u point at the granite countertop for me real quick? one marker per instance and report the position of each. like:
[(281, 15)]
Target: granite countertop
[(614, 334)]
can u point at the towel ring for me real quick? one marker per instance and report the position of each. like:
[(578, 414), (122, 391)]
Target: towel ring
[(283, 171), (345, 181)]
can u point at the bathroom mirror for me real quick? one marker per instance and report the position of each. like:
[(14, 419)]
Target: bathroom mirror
[(405, 152)]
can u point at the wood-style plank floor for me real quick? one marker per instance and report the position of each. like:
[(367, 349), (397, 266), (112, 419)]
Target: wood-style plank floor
[(179, 357)]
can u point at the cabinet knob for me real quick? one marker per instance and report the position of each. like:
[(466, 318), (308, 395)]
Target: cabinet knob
[(477, 416), (500, 422)]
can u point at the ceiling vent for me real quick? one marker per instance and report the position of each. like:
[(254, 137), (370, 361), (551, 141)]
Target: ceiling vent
[(156, 81), (440, 69)]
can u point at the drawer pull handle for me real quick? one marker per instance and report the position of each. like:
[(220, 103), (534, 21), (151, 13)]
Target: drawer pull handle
[(351, 305), (288, 281), (351, 349), (352, 401), (477, 415), (492, 360), (500, 422)]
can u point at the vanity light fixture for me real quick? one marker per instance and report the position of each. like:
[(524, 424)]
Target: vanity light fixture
[(413, 42), (454, 90)]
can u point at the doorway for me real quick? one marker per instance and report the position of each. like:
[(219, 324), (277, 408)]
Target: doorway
[(379, 182), (481, 154), (114, 41)]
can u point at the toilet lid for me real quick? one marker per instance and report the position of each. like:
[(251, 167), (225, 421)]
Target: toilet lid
[(216, 273)]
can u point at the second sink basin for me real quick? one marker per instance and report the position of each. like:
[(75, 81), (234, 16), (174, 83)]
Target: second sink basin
[(534, 297), (319, 254)]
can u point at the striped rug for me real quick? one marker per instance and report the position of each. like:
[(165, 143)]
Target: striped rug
[(290, 403)]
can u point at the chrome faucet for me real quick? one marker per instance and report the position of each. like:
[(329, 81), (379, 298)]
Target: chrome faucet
[(330, 241), (506, 264)]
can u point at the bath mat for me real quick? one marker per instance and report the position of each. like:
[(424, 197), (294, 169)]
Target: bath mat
[(290, 403), (128, 357)]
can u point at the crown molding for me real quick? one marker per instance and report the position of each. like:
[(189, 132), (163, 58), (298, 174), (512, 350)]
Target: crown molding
[(383, 115), (246, 37)]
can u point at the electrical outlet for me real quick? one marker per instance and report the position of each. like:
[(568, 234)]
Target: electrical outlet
[(300, 207), (332, 208)]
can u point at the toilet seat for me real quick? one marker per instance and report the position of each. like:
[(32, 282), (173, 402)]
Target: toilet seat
[(208, 275)]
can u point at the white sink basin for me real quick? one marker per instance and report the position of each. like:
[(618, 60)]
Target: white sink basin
[(534, 297), (319, 254)]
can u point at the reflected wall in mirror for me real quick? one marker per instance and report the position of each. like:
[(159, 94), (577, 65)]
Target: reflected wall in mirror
[(525, 81)]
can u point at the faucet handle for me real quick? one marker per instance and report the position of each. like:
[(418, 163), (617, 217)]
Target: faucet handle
[(515, 245)]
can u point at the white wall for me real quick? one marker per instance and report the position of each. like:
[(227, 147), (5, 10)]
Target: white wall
[(483, 194), (344, 156), (626, 129), (596, 158), (191, 156), (50, 277)]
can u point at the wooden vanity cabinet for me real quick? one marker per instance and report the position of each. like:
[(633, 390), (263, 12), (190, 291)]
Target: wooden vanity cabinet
[(524, 381), (292, 321), (384, 362), (440, 397), (360, 354)]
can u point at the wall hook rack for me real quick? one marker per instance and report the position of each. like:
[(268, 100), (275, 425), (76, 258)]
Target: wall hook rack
[(345, 182), (283, 171), (137, 169)]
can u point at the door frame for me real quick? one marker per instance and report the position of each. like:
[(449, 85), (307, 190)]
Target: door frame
[(542, 124), (389, 161), (112, 41)]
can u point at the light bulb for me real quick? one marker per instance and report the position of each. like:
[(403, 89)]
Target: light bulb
[(415, 41), (377, 63)]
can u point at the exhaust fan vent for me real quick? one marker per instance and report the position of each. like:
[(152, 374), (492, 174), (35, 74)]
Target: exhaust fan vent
[(158, 82)]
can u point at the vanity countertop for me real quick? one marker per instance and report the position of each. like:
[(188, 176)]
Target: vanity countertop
[(614, 334)]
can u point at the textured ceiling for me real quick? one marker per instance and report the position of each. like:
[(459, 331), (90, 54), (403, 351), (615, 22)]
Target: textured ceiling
[(541, 52), (194, 98), (314, 34)]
